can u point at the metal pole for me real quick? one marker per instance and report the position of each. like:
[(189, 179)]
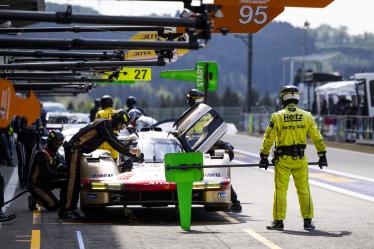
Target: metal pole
[(79, 65), (58, 79), (250, 65), (249, 165), (75, 55), (68, 17), (79, 29), (67, 44)]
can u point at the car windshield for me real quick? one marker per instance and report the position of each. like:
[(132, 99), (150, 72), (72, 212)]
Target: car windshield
[(155, 150)]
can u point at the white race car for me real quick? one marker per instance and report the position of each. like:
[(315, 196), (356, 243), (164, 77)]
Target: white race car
[(198, 129)]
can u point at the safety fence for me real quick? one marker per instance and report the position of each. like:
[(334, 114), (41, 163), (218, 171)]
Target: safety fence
[(359, 129)]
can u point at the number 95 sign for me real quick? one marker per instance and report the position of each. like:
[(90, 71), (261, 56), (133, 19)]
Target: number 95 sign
[(244, 18)]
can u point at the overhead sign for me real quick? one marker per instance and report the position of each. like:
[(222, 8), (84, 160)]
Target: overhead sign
[(250, 16), (129, 74), (12, 105), (278, 3), (149, 54), (244, 18), (204, 75)]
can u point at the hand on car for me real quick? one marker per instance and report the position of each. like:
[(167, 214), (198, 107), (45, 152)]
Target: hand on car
[(135, 151)]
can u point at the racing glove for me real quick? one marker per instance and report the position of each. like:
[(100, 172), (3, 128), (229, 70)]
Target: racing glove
[(125, 166), (322, 162), (264, 162), (139, 159)]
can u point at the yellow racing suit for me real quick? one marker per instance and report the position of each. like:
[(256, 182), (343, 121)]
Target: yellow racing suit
[(107, 113), (289, 129)]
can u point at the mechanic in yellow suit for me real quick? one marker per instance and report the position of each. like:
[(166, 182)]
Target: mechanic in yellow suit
[(107, 111), (289, 129)]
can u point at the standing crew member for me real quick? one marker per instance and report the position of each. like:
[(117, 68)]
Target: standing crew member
[(87, 140), (107, 111), (132, 103), (47, 173), (289, 128), (195, 96), (95, 110)]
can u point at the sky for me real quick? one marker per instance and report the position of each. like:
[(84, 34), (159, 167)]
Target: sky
[(356, 15)]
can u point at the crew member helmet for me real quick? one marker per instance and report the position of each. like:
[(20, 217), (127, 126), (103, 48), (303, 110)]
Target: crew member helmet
[(131, 102), (55, 140), (195, 96), (97, 102), (289, 94), (106, 101), (134, 114), (120, 119)]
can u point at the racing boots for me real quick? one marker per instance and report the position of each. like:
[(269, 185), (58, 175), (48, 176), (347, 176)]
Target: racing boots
[(31, 203), (308, 225), (69, 215), (236, 207), (6, 217), (276, 225)]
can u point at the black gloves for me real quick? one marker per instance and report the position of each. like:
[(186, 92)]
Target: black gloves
[(322, 162), (139, 159), (264, 162), (125, 166)]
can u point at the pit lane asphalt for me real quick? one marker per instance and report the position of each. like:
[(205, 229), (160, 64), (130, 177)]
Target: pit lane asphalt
[(342, 221)]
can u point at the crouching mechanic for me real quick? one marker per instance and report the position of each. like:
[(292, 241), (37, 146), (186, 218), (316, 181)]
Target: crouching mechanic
[(86, 140), (289, 128), (47, 172), (195, 96)]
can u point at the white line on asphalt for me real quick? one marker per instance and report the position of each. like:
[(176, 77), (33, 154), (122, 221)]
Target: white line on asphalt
[(326, 186), (80, 240), (10, 188), (262, 239), (228, 217), (247, 153)]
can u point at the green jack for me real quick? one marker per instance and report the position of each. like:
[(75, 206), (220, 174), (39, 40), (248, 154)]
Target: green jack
[(184, 179)]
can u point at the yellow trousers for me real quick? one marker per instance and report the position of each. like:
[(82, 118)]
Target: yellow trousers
[(284, 168)]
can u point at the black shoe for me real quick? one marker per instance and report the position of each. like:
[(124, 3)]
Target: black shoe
[(276, 225), (6, 217), (308, 225), (236, 207), (31, 203), (69, 215)]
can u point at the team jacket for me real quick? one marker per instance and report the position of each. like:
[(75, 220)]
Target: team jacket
[(90, 137), (42, 171), (291, 126)]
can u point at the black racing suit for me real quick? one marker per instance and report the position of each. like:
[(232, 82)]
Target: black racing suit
[(229, 149), (88, 139), (44, 177)]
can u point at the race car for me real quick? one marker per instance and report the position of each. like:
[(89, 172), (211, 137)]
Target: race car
[(198, 129)]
